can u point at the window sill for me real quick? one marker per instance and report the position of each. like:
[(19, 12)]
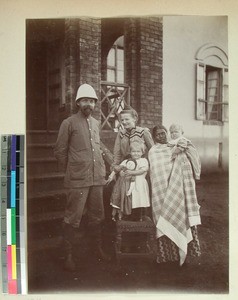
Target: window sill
[(213, 122)]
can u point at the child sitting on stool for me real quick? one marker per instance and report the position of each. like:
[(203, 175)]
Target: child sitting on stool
[(131, 189)]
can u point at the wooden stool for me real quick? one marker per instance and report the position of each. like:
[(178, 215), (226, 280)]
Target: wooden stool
[(144, 226)]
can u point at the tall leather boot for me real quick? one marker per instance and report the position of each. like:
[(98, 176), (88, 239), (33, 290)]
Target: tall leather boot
[(96, 242), (69, 234)]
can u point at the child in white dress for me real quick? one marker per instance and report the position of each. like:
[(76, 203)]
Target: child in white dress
[(177, 139), (131, 189), (180, 144)]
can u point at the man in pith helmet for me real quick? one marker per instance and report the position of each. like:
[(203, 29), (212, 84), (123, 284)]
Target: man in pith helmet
[(78, 152)]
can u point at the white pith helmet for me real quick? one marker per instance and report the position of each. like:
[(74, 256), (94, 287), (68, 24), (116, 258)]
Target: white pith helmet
[(86, 91)]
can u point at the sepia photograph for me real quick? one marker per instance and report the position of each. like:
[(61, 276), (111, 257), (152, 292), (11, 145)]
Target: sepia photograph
[(127, 154)]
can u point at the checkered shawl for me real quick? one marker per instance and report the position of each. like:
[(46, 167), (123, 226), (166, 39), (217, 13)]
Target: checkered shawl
[(174, 202)]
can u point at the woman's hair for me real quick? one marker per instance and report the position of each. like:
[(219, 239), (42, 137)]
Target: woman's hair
[(129, 110), (158, 127), (138, 145), (176, 126)]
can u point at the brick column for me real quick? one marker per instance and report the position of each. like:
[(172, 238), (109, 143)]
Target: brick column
[(71, 63), (151, 71), (131, 48), (82, 45), (144, 73), (90, 55)]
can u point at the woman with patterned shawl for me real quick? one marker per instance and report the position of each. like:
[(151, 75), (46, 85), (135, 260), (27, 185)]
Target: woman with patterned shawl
[(174, 202)]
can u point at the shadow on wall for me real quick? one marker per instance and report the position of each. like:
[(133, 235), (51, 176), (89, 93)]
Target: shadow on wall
[(214, 154)]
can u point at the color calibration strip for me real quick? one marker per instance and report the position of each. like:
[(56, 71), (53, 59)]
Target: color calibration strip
[(12, 215)]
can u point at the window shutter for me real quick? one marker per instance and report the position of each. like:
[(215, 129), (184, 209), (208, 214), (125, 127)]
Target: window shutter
[(200, 93), (225, 96)]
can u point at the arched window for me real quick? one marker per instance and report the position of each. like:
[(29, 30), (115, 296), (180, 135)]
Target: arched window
[(115, 62), (212, 84), (115, 92)]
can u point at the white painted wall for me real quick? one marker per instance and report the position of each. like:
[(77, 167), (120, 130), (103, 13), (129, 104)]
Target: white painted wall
[(183, 36)]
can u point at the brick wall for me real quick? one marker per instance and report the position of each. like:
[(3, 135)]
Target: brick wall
[(71, 54), (143, 58), (144, 55), (131, 59), (90, 55), (82, 58)]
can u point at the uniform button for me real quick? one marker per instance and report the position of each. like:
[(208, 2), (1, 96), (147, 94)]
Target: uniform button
[(89, 128), (93, 149), (91, 139), (94, 160)]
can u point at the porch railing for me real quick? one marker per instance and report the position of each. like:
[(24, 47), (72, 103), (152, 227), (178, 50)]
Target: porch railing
[(114, 97)]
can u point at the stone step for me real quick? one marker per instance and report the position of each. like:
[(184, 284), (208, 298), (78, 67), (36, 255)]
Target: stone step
[(38, 150), (48, 230), (46, 182), (45, 228), (49, 205), (46, 217), (45, 211), (44, 202), (41, 136), (40, 166), (47, 194), (45, 214)]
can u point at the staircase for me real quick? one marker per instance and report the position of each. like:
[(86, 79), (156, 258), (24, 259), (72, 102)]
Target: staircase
[(46, 197)]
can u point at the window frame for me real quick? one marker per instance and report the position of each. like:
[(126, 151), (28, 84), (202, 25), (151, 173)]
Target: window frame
[(202, 102), (115, 67)]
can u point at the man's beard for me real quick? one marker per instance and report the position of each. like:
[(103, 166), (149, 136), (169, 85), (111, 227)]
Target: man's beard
[(87, 110)]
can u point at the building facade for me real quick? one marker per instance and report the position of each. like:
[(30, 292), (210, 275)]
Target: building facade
[(120, 57), (62, 54), (170, 69), (195, 84)]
